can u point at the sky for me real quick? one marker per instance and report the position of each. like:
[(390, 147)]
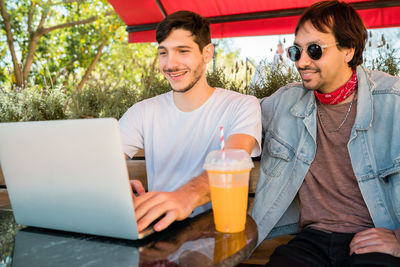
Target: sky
[(258, 48)]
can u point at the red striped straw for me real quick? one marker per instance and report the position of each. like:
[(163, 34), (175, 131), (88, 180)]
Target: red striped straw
[(221, 131)]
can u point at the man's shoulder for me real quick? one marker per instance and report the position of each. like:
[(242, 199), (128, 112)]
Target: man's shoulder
[(147, 106), (155, 100), (383, 82), (291, 92), (229, 95), (159, 98), (292, 88)]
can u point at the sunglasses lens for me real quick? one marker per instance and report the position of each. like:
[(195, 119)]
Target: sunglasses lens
[(294, 53), (314, 51)]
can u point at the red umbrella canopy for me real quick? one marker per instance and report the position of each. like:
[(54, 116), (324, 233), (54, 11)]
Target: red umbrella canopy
[(234, 18)]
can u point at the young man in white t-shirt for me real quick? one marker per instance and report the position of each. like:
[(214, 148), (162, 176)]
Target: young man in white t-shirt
[(178, 129)]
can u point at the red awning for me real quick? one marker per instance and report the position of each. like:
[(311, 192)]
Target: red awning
[(234, 18)]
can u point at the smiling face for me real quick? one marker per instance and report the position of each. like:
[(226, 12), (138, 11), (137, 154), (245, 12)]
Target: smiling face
[(182, 62), (330, 71)]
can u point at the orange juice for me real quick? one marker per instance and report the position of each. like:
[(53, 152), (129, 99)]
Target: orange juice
[(229, 193), (229, 207), (228, 174)]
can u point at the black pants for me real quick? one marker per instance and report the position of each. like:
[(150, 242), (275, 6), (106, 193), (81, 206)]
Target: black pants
[(317, 248)]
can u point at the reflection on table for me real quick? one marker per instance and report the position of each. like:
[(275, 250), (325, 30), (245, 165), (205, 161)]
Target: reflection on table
[(192, 242), (37, 247)]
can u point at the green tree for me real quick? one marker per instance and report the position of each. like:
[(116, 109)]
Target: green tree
[(55, 38), (128, 64)]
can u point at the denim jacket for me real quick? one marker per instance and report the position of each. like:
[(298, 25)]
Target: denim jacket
[(289, 131)]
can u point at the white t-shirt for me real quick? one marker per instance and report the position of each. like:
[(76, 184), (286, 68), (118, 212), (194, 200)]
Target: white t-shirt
[(176, 143)]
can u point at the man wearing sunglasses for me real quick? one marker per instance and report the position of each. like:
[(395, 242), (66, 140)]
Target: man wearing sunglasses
[(330, 168)]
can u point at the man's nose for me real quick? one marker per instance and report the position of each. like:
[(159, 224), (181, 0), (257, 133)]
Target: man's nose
[(172, 61), (304, 60)]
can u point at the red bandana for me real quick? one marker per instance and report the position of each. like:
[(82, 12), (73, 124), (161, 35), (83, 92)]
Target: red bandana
[(339, 94)]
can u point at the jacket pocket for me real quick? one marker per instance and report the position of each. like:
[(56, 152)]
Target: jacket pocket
[(275, 156), (391, 184)]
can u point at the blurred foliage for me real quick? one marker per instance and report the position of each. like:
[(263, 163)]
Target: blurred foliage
[(273, 77), (102, 99), (31, 104), (380, 56), (62, 36), (99, 101), (226, 61), (8, 230), (388, 61), (105, 96)]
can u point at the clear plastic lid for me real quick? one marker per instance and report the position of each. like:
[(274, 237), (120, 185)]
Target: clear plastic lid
[(230, 159)]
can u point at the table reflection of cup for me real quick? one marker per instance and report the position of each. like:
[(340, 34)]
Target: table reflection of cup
[(228, 244), (228, 174)]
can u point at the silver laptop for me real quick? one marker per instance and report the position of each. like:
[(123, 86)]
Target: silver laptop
[(68, 175)]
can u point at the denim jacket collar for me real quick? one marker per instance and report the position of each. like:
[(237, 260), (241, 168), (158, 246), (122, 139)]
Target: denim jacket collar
[(305, 106), (365, 105)]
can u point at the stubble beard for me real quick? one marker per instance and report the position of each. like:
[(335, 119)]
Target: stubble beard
[(311, 88), (197, 75)]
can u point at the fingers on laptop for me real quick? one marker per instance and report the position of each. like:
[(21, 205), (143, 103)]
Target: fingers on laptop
[(153, 205), (137, 187), (148, 208)]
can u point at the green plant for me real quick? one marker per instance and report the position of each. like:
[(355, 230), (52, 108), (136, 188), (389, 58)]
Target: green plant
[(273, 77), (32, 104), (101, 101), (103, 96), (152, 84), (217, 78), (381, 57), (388, 62)]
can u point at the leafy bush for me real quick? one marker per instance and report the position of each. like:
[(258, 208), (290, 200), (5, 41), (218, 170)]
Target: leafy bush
[(272, 78), (32, 104), (153, 84), (388, 62), (218, 78), (381, 57), (100, 98)]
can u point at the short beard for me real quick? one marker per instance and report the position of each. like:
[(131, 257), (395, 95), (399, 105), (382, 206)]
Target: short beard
[(304, 85), (190, 86)]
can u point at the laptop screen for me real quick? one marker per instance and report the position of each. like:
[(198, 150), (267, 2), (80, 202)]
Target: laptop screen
[(68, 175)]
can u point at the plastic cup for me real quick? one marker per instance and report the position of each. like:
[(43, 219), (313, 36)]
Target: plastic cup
[(228, 174)]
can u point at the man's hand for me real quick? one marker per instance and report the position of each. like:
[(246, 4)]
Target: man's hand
[(375, 240), (176, 205)]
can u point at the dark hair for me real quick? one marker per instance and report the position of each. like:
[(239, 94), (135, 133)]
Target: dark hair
[(344, 22), (190, 21)]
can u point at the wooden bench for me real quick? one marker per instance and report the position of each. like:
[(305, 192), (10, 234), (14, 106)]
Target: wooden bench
[(4, 199)]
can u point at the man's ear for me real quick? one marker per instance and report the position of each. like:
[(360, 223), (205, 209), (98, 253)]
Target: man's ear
[(208, 52), (349, 54)]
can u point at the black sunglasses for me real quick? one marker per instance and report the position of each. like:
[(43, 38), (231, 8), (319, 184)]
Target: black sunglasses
[(314, 51)]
